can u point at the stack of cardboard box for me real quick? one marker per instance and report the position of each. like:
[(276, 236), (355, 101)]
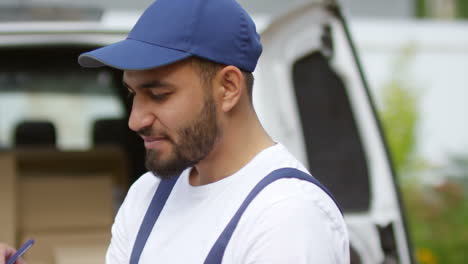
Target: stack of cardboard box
[(62, 200)]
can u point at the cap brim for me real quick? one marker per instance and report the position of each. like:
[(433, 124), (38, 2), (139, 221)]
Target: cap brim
[(131, 54)]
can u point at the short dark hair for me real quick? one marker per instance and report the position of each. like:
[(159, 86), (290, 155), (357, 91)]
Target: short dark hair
[(208, 70)]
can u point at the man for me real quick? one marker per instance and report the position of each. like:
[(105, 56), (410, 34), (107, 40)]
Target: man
[(188, 68)]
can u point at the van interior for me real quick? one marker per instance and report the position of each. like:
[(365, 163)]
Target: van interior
[(63, 195), (65, 171)]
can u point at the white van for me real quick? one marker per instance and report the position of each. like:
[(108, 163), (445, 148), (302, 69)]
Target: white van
[(310, 95)]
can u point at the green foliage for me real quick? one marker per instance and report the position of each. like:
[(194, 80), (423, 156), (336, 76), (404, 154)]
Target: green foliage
[(420, 8), (462, 9), (437, 214), (438, 219), (399, 121), (399, 113)]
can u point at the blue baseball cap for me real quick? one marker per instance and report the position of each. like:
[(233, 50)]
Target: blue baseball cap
[(171, 30)]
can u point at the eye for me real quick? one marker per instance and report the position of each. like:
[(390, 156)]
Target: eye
[(130, 95), (159, 96)]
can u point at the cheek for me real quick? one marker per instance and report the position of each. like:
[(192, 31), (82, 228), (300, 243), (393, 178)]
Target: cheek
[(180, 113)]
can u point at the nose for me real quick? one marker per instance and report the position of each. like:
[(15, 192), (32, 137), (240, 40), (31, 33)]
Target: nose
[(140, 115)]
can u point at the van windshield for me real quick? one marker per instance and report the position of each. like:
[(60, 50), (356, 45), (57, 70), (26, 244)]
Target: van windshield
[(57, 93)]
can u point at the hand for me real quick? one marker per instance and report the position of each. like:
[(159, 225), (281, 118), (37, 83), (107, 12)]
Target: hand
[(6, 252)]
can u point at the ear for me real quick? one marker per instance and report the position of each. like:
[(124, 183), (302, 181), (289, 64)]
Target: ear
[(231, 82)]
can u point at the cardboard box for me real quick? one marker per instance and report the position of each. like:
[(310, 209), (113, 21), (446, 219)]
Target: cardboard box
[(7, 198), (48, 202), (83, 246), (64, 200), (111, 160), (89, 254)]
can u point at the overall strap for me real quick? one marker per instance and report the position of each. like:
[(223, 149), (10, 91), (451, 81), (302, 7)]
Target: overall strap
[(152, 214), (215, 256)]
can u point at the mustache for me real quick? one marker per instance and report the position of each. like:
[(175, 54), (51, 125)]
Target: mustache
[(146, 131), (150, 132)]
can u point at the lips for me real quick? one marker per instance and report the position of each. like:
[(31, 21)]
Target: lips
[(153, 142)]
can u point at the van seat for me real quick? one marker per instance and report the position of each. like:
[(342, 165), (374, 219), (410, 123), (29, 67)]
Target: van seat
[(35, 134), (109, 132)]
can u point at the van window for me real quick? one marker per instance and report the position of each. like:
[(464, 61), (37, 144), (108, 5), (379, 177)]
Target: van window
[(334, 150), (45, 87)]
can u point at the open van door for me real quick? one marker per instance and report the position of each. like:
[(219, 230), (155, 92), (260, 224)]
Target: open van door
[(312, 96)]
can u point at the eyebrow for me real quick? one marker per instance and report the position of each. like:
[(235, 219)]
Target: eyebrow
[(149, 85)]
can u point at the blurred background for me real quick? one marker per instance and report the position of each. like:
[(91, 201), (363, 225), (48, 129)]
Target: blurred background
[(415, 55)]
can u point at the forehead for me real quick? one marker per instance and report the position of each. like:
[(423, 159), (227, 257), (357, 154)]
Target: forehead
[(177, 72)]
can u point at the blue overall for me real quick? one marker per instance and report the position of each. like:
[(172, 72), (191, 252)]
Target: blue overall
[(215, 256)]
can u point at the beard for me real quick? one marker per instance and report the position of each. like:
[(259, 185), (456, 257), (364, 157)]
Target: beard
[(196, 140)]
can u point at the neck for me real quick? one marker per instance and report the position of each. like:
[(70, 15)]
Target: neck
[(239, 143)]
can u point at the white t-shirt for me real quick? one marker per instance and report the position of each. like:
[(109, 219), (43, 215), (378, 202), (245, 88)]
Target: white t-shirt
[(290, 221)]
